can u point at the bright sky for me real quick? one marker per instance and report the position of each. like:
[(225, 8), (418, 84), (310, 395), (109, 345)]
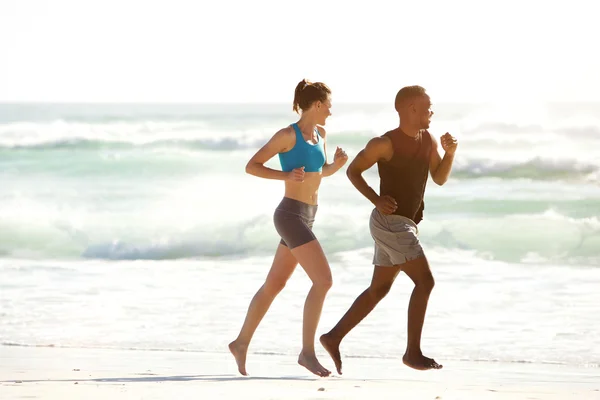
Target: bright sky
[(257, 51)]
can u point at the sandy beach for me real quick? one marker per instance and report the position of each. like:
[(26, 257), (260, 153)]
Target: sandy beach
[(133, 235), (59, 373)]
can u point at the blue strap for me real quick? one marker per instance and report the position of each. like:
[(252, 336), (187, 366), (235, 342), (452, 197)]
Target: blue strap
[(300, 137), (298, 132)]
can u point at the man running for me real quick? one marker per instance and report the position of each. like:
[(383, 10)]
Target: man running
[(404, 156)]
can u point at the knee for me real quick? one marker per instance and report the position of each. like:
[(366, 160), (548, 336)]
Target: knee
[(426, 283), (380, 291), (323, 284), (273, 286)]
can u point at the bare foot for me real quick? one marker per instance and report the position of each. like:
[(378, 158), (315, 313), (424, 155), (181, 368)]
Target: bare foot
[(333, 348), (420, 362), (239, 352), (311, 364)]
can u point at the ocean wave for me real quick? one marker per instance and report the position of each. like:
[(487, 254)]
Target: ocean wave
[(537, 156), (521, 166), (579, 130), (83, 144), (239, 124), (200, 135), (62, 134), (524, 238), (536, 168)]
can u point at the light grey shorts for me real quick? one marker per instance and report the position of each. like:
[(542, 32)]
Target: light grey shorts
[(396, 239)]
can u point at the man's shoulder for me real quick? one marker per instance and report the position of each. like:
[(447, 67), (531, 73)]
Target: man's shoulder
[(379, 141), (385, 140), (380, 147)]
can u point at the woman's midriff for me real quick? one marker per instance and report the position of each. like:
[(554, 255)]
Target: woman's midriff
[(307, 191)]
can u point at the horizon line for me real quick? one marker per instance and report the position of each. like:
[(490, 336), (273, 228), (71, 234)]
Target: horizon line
[(278, 103)]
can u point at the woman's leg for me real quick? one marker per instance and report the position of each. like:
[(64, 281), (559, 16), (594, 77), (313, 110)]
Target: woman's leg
[(312, 258), (283, 266)]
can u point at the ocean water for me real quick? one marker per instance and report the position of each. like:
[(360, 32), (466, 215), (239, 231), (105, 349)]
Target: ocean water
[(135, 227)]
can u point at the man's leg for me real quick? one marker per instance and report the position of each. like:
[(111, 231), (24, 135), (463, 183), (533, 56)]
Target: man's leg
[(418, 271), (383, 278)]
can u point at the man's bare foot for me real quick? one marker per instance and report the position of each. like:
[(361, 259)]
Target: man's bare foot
[(239, 352), (333, 348), (420, 362), (312, 364)]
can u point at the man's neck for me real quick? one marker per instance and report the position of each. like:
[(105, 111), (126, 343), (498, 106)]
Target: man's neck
[(409, 130)]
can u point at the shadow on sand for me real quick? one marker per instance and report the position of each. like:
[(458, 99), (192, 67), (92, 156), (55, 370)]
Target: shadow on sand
[(175, 378)]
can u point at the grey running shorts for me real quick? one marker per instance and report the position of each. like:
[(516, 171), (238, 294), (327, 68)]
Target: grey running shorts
[(395, 237), (294, 221)]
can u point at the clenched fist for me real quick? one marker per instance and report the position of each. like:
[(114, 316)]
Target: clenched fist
[(449, 143), (296, 175)]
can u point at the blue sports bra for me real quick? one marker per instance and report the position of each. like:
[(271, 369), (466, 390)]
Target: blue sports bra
[(303, 154)]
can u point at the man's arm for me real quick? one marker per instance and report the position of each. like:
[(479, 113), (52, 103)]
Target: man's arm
[(379, 148), (440, 168)]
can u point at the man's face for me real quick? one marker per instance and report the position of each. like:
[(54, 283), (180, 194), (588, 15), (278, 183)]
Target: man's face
[(423, 113)]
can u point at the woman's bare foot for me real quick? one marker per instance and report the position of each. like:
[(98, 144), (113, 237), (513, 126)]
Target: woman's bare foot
[(420, 362), (333, 348), (239, 351), (312, 364)]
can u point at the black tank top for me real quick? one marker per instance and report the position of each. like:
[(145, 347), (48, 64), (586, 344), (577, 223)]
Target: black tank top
[(404, 176)]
